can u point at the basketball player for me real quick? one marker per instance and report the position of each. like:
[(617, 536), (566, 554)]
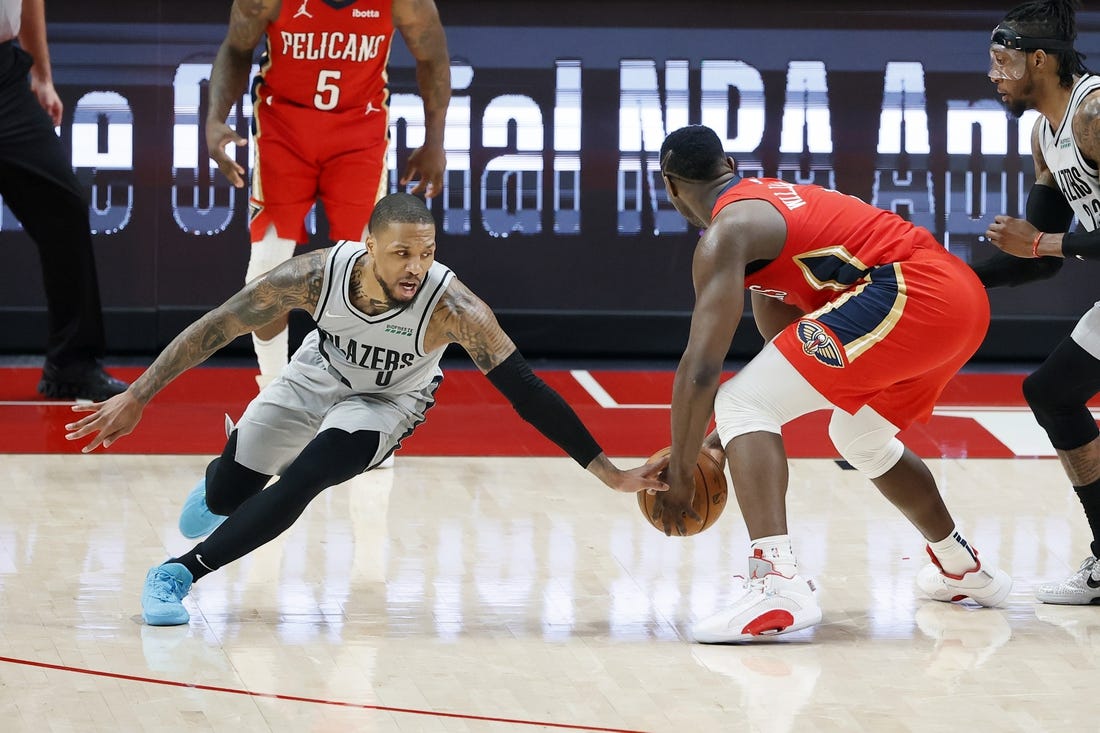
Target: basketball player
[(865, 315), (321, 121), (355, 389), (1035, 66), (38, 185)]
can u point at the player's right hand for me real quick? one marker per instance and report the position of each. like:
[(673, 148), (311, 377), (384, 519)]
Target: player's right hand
[(218, 135), (672, 506), (1012, 236), (109, 421)]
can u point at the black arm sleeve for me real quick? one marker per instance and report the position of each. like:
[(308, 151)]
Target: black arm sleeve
[(1048, 211), (1004, 269), (1082, 245), (544, 408)]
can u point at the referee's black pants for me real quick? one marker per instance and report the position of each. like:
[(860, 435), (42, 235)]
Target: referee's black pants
[(38, 185)]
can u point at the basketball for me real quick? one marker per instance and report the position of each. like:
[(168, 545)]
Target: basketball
[(710, 494)]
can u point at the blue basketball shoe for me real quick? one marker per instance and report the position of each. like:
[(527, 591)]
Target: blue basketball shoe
[(196, 520), (163, 593)]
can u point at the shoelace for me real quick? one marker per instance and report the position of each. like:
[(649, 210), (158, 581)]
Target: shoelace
[(167, 588), (1093, 566), (756, 585)]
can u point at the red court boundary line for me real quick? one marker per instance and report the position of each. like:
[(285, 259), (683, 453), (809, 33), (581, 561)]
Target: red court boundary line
[(315, 700)]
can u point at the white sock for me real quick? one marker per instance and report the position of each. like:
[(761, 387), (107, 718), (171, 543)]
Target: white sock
[(272, 355), (267, 253), (778, 551), (954, 554)]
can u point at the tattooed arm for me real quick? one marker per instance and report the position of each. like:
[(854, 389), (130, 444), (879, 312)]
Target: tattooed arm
[(463, 318), (1042, 237), (420, 27), (248, 21), (295, 283)]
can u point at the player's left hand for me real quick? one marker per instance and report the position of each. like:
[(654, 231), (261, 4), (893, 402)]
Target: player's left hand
[(426, 163), (109, 421), (1012, 236), (712, 445)]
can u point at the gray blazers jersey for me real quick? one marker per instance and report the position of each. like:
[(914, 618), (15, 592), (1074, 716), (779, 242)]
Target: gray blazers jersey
[(382, 353), (1078, 179)]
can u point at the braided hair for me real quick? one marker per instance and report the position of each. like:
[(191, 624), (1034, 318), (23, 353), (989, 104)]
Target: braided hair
[(1051, 19)]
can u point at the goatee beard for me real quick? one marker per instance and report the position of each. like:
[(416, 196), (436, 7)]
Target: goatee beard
[(1016, 108), (392, 301)]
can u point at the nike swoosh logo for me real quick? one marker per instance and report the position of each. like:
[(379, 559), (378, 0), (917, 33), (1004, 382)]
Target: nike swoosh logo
[(329, 314), (1091, 583)]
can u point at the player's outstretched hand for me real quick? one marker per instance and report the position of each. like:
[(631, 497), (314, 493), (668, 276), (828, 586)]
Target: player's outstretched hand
[(109, 421), (217, 137), (426, 163), (642, 478)]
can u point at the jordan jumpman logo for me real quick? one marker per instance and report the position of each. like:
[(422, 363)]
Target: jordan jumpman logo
[(302, 10)]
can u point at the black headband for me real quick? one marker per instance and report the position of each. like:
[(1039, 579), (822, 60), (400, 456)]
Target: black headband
[(1005, 36)]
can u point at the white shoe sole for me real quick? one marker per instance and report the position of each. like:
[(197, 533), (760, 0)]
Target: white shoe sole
[(992, 594), (771, 623)]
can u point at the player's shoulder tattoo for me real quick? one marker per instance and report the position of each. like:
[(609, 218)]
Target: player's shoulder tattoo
[(297, 282), (458, 303), (463, 318), (1086, 126)]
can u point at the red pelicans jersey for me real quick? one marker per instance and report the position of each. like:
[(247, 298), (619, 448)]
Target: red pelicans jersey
[(890, 315), (328, 54), (833, 240)]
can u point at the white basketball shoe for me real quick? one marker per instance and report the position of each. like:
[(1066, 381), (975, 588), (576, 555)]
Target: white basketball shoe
[(771, 604), (1080, 589), (984, 585)]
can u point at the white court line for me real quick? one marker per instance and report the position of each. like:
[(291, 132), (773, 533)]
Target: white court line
[(603, 399), (599, 394), (1014, 426)]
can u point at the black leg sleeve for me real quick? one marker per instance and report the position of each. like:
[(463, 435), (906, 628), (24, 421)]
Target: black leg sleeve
[(331, 458), (228, 483), (1058, 392)]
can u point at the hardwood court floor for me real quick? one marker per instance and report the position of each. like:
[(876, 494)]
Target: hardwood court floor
[(514, 592)]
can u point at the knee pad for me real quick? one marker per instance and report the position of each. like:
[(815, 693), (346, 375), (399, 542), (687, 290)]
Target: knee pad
[(765, 395), (866, 440), (268, 253)]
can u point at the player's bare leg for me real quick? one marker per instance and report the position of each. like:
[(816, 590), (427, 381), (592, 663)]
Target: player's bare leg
[(758, 466), (910, 487), (956, 571)]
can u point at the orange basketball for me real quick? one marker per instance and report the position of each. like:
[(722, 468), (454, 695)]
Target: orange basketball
[(710, 494)]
